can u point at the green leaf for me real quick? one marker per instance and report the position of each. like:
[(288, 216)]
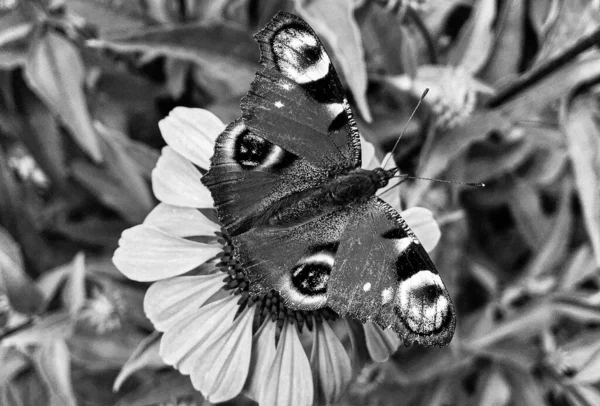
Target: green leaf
[(335, 24), (581, 129), (146, 355), (22, 293), (52, 363), (56, 73)]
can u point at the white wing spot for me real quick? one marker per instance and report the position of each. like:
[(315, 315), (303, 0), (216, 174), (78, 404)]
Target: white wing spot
[(278, 104), (403, 243), (367, 287), (386, 295)]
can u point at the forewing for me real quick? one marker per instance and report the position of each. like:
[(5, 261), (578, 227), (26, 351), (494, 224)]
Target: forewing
[(297, 101), (383, 274)]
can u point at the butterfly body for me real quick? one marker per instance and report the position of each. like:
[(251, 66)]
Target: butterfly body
[(302, 215)]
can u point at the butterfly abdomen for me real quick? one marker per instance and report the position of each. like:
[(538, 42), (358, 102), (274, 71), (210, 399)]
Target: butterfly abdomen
[(358, 185)]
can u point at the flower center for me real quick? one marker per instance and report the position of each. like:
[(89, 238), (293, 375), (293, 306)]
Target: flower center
[(269, 305)]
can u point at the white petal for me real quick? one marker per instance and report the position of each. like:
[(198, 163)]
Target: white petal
[(421, 221), (221, 372), (169, 301), (380, 343), (391, 195), (187, 340), (176, 181), (369, 160), (192, 133), (263, 354), (148, 254), (181, 221), (330, 363), (289, 380)]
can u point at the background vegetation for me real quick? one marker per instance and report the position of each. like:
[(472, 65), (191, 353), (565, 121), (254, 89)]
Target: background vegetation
[(513, 103)]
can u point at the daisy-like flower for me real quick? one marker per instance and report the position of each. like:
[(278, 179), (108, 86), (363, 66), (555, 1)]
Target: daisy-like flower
[(226, 340)]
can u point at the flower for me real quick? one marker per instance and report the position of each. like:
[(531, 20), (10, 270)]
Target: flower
[(226, 340)]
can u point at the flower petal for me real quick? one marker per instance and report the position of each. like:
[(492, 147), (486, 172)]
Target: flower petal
[(169, 301), (330, 363), (147, 254), (421, 221), (289, 380), (221, 372), (368, 158), (181, 221), (187, 340), (176, 181), (192, 133), (380, 343), (263, 354)]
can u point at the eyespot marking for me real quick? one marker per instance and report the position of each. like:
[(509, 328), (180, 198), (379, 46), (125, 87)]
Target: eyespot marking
[(252, 152), (421, 302), (299, 55)]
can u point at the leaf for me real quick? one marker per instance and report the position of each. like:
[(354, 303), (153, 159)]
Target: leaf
[(493, 389), (581, 129), (109, 16), (527, 322), (451, 144), (556, 242), (525, 389), (14, 44), (584, 395), (571, 20), (582, 265), (164, 387), (41, 135), (220, 49), (146, 355), (475, 42), (55, 326), (118, 183), (506, 54), (73, 294), (526, 207), (52, 363), (552, 87), (335, 24), (22, 293), (56, 73)]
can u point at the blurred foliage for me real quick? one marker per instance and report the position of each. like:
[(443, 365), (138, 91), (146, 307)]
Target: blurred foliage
[(83, 84)]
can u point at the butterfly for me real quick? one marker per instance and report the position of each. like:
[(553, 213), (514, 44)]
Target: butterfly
[(302, 215)]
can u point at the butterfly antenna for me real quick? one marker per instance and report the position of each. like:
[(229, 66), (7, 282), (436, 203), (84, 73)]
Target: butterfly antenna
[(404, 129), (474, 184)]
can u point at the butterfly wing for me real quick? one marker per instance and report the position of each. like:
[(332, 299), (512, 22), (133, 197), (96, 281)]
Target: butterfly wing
[(295, 132), (383, 274), (362, 261)]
